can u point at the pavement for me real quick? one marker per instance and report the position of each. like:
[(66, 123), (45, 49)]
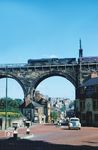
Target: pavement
[(21, 132)]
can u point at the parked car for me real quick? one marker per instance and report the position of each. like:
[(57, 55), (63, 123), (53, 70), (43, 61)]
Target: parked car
[(62, 122), (74, 123)]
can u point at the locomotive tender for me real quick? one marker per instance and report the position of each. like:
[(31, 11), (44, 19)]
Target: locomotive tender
[(88, 59)]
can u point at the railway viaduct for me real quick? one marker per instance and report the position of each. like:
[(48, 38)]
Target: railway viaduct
[(29, 76)]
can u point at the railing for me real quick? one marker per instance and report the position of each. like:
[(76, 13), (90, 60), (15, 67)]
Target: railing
[(25, 65), (12, 65), (33, 66)]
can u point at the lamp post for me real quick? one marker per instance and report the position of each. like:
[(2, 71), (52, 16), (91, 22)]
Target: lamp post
[(6, 91), (32, 111)]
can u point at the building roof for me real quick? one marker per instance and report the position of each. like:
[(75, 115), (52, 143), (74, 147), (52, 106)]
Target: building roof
[(33, 105), (91, 82), (36, 104), (22, 105)]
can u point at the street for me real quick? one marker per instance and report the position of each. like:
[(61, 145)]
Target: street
[(50, 137), (61, 135)]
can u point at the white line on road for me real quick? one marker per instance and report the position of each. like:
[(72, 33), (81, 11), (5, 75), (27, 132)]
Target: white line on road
[(28, 137)]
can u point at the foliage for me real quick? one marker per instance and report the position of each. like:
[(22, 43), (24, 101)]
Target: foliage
[(12, 107), (11, 114), (54, 115), (63, 109)]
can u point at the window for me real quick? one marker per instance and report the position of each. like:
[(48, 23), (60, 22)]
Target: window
[(82, 105), (82, 90), (96, 117), (36, 110), (82, 116), (95, 104)]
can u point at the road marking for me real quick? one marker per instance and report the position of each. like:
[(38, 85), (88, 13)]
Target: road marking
[(28, 137)]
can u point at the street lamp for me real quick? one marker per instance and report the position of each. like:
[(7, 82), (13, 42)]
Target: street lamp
[(32, 111), (6, 91)]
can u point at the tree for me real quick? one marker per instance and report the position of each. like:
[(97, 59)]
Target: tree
[(12, 106), (54, 115)]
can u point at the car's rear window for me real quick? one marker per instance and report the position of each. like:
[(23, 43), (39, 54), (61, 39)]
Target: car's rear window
[(74, 119)]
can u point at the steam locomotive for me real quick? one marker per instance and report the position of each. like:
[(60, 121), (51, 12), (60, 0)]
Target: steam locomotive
[(51, 61)]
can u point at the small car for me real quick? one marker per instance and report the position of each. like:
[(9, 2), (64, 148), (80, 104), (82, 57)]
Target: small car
[(74, 123), (62, 122)]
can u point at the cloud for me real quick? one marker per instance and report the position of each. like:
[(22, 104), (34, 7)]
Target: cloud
[(53, 56)]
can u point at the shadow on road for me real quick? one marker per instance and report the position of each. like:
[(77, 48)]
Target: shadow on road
[(19, 144)]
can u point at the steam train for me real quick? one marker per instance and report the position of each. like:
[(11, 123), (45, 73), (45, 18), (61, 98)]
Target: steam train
[(51, 61)]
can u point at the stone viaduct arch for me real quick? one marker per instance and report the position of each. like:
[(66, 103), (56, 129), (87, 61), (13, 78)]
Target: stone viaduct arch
[(55, 73), (8, 75), (29, 77)]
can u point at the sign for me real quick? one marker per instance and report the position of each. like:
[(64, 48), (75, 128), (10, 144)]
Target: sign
[(8, 133)]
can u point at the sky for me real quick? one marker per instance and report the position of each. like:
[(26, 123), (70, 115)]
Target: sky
[(43, 29)]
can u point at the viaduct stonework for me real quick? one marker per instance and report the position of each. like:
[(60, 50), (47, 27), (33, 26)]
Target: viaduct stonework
[(30, 75)]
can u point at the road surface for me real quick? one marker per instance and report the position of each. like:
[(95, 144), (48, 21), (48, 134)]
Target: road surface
[(50, 137)]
